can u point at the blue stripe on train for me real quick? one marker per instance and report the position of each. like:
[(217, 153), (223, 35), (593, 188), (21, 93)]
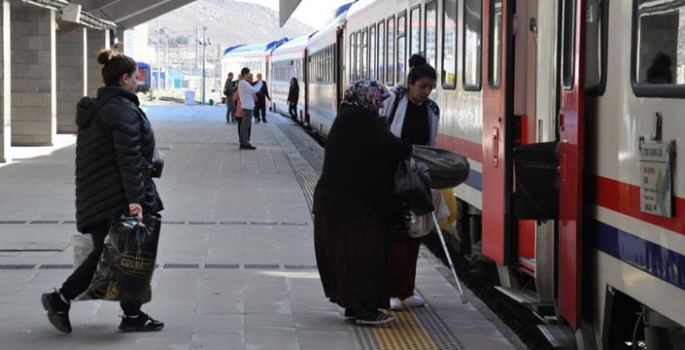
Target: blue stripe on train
[(650, 257), (474, 180)]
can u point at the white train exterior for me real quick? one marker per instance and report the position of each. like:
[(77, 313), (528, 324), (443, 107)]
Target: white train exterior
[(573, 142)]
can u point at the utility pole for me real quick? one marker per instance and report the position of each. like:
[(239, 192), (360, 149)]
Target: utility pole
[(159, 64), (204, 61)]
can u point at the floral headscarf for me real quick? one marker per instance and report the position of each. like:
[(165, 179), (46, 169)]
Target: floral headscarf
[(366, 93)]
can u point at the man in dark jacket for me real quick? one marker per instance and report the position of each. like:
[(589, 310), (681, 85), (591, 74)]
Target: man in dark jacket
[(229, 89), (260, 104)]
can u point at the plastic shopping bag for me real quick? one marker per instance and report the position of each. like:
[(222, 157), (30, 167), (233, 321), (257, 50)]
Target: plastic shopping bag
[(128, 259), (451, 203), (423, 224)]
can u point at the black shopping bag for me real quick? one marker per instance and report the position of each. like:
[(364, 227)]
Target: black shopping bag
[(412, 188), (128, 259)]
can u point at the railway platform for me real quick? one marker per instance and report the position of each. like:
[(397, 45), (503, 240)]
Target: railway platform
[(236, 266)]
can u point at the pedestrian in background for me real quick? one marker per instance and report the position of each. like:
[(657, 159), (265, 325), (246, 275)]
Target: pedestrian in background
[(260, 104), (229, 90), (293, 96), (247, 100), (238, 110), (355, 208), (114, 149), (414, 118)]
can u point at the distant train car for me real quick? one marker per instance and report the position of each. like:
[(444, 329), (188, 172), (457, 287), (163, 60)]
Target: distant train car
[(325, 78), (288, 61), (144, 77), (257, 57)]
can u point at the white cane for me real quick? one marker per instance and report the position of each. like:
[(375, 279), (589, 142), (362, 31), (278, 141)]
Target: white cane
[(449, 259)]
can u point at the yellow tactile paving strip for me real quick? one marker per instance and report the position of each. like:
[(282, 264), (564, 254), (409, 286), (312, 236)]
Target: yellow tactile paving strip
[(406, 332)]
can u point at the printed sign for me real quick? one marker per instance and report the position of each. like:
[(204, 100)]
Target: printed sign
[(656, 193)]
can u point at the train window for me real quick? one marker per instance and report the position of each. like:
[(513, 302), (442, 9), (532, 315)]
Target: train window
[(473, 33), (658, 53), (449, 44), (568, 32), (390, 70), (365, 55), (495, 61), (358, 66), (415, 31), (595, 47), (381, 52), (430, 25), (351, 68), (401, 47), (372, 52)]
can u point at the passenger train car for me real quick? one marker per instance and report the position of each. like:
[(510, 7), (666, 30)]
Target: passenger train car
[(569, 113), (257, 57), (144, 77), (288, 61)]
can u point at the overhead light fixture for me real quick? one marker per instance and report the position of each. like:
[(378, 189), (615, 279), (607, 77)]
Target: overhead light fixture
[(71, 13)]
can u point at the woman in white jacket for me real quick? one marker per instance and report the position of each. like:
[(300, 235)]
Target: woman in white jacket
[(413, 117)]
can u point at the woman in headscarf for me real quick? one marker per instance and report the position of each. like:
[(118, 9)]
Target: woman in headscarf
[(355, 208)]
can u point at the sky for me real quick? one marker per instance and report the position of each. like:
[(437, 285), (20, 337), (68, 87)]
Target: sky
[(315, 13)]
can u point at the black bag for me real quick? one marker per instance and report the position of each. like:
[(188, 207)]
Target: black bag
[(447, 169), (412, 188), (127, 262), (536, 166), (157, 164)]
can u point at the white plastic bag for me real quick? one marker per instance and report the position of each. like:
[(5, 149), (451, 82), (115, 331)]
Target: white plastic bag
[(423, 225), (83, 245)]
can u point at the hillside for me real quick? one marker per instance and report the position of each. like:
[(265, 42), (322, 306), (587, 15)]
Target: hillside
[(228, 23)]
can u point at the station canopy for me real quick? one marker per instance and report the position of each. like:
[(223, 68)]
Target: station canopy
[(286, 9), (130, 13)]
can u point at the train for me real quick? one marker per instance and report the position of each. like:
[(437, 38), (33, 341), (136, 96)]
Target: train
[(569, 114), (144, 77)]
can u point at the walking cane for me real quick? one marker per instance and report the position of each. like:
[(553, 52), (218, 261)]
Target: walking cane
[(449, 259)]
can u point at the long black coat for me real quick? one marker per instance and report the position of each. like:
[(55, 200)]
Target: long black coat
[(354, 207), (113, 156)]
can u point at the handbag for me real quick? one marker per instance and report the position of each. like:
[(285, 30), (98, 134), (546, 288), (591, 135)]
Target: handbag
[(412, 188), (157, 164)]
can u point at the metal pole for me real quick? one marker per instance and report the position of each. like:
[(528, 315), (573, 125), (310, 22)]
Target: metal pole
[(159, 63), (204, 61)]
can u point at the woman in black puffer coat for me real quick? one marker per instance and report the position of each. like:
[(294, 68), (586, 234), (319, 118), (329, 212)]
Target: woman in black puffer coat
[(113, 161)]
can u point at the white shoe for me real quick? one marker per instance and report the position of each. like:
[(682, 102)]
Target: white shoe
[(413, 301), (395, 304)]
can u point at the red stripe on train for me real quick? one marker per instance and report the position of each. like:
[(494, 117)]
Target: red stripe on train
[(469, 149), (625, 199)]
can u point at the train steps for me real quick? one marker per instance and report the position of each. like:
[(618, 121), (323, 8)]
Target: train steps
[(561, 337)]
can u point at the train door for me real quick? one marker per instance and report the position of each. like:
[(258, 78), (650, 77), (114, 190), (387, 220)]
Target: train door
[(571, 160), (497, 113)]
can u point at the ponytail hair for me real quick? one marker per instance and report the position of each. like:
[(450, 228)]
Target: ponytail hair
[(115, 64), (419, 68)]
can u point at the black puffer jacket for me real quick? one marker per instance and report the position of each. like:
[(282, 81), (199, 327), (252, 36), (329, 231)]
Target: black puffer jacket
[(113, 155)]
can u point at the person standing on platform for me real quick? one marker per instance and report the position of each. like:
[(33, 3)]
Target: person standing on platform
[(293, 96), (238, 110), (414, 118), (114, 149), (260, 104), (247, 99), (355, 208), (229, 90)]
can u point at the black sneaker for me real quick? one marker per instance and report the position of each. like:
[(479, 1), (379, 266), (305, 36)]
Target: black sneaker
[(373, 317), (142, 323), (58, 311)]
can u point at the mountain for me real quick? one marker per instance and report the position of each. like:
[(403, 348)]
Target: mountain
[(228, 23)]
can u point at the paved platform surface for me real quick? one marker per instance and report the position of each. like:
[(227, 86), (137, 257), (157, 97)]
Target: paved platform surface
[(236, 266)]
